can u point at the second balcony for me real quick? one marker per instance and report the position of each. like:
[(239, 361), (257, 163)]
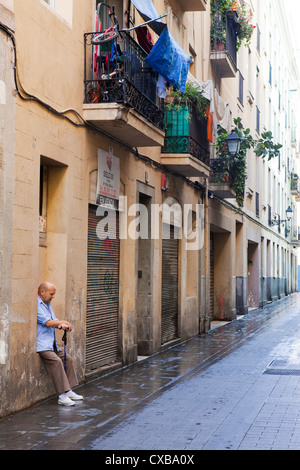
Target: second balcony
[(186, 148)]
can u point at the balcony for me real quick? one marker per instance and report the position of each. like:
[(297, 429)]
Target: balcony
[(295, 236), (224, 47), (193, 5), (295, 186), (220, 179), (120, 96), (186, 148)]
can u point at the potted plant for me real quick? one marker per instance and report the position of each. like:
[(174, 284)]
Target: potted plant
[(218, 24), (240, 17), (246, 28), (192, 97)]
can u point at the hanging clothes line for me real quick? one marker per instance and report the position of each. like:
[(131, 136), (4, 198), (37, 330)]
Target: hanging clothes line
[(166, 57), (144, 38), (148, 12), (218, 108), (170, 60)]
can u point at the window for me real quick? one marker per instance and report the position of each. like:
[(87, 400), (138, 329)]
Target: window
[(241, 88), (119, 10), (193, 56), (52, 192), (51, 3), (257, 204), (258, 39), (63, 9), (257, 86), (257, 120), (269, 215)]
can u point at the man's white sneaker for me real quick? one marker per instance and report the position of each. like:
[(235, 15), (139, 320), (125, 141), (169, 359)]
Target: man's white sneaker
[(74, 395), (64, 400)]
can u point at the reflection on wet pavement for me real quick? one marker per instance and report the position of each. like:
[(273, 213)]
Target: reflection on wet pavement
[(111, 398)]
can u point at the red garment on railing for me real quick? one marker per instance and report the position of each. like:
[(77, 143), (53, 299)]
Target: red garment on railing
[(209, 116), (144, 38)]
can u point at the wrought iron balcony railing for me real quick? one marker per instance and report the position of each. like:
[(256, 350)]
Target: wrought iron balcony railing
[(186, 133), (295, 236), (221, 178), (220, 170), (295, 184), (231, 40), (224, 38), (117, 72)]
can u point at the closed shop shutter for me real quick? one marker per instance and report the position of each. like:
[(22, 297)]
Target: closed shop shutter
[(169, 306), (212, 278), (102, 296)]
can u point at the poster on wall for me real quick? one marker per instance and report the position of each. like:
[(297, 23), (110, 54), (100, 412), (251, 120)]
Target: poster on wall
[(108, 182)]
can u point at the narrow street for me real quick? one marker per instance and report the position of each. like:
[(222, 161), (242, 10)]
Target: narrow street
[(237, 388)]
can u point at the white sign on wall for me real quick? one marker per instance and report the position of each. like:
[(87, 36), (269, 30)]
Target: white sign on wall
[(108, 183)]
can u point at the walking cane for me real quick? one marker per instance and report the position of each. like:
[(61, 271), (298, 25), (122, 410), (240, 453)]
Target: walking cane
[(64, 338)]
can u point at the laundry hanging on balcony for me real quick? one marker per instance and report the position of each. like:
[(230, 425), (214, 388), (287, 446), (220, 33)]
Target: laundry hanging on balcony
[(148, 12), (219, 108), (218, 111), (144, 38), (166, 57), (170, 60)]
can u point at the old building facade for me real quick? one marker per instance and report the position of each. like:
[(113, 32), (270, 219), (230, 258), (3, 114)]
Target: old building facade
[(109, 191)]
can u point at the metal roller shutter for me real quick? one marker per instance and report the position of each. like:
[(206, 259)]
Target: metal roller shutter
[(102, 297), (169, 306), (212, 278)]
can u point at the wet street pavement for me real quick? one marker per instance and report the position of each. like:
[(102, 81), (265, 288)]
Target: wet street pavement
[(236, 388)]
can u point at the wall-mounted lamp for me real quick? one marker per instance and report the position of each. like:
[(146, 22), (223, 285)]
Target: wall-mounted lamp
[(289, 213), (233, 143)]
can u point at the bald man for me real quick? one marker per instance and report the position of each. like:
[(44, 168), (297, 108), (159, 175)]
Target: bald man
[(48, 349)]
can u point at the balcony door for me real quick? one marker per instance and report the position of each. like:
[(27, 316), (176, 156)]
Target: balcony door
[(104, 12)]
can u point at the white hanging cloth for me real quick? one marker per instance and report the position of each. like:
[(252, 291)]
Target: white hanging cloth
[(219, 108)]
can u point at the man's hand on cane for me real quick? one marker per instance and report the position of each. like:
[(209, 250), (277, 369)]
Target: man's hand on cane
[(64, 325)]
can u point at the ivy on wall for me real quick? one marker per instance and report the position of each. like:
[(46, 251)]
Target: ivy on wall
[(233, 169)]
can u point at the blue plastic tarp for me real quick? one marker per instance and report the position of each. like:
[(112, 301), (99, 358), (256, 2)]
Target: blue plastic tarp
[(170, 60), (166, 56)]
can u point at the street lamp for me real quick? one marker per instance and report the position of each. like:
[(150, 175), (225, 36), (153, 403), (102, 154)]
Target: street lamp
[(289, 213), (233, 143)]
